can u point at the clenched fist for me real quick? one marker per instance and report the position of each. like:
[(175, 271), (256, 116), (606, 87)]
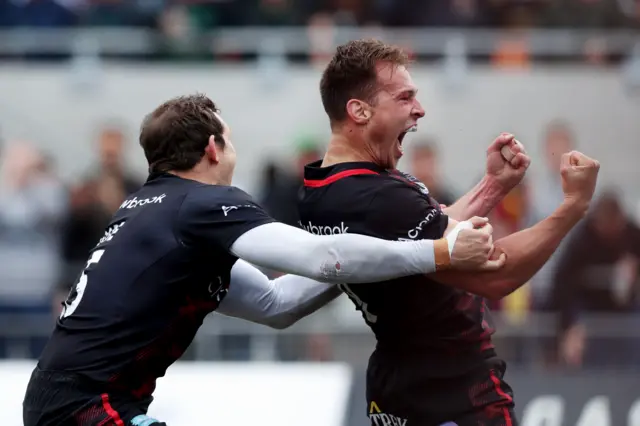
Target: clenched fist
[(507, 173), (473, 247), (579, 177)]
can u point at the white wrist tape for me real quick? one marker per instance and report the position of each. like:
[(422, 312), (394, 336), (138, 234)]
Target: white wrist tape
[(453, 235)]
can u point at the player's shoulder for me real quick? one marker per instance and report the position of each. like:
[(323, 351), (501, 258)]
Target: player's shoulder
[(399, 185), (205, 197), (353, 179)]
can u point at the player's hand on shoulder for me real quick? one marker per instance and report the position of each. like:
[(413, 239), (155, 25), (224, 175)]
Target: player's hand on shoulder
[(473, 246), (579, 177)]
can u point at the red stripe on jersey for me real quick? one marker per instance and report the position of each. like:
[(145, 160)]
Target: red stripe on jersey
[(505, 396), (338, 176), (113, 414)]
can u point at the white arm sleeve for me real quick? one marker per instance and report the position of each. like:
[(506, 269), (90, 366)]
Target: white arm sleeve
[(277, 303), (344, 258)]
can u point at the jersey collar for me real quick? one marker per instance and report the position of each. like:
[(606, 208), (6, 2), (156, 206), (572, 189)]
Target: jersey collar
[(316, 176)]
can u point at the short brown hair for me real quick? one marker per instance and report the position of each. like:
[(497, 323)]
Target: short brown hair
[(175, 135), (352, 74)]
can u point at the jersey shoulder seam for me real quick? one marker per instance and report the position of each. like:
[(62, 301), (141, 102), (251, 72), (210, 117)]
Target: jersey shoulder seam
[(176, 220)]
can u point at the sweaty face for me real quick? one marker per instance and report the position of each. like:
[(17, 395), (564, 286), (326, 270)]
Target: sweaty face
[(396, 111), (226, 156)]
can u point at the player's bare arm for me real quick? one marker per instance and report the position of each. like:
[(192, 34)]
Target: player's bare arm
[(353, 258), (526, 251), (503, 173)]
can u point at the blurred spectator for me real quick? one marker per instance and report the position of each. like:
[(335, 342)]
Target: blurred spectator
[(111, 146), (425, 165), (33, 201), (42, 13), (93, 202), (8, 13), (598, 272), (512, 49), (582, 14), (585, 14), (546, 196), (202, 15), (449, 13), (281, 200), (507, 217), (268, 180), (321, 31), (510, 215), (116, 13), (272, 13), (595, 51)]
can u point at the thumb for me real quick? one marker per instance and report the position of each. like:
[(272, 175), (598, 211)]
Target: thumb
[(492, 265), (478, 222)]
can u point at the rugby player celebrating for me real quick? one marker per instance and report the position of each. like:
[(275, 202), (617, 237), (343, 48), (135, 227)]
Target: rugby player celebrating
[(434, 361)]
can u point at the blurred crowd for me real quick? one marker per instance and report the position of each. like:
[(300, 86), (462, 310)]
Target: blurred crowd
[(208, 14), (47, 228)]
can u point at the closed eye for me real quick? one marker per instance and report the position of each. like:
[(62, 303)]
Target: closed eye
[(407, 95)]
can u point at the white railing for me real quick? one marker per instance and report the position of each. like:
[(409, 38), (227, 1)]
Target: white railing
[(349, 339)]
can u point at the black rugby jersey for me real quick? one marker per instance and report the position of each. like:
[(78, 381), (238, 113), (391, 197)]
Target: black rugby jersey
[(415, 316), (163, 264)]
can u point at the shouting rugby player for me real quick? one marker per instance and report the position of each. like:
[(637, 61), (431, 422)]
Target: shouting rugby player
[(168, 258), (434, 362)]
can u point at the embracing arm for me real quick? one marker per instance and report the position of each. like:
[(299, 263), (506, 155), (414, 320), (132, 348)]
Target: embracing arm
[(342, 258), (277, 303)]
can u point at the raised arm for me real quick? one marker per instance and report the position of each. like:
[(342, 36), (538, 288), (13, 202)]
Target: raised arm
[(277, 303), (500, 178), (526, 251)]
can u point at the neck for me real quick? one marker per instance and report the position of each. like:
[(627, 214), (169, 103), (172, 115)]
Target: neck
[(343, 149), (198, 174)]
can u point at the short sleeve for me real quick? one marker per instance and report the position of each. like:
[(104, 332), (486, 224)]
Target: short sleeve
[(401, 212), (214, 217)]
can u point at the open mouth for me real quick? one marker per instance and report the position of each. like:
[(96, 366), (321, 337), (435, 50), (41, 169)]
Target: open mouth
[(401, 136)]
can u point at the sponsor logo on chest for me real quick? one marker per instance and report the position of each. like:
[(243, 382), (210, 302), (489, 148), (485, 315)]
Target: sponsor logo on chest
[(324, 230)]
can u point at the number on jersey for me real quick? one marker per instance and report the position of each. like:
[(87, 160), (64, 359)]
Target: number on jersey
[(360, 305), (71, 304)]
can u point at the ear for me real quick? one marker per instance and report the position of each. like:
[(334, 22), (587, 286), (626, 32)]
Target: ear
[(211, 150), (358, 111)]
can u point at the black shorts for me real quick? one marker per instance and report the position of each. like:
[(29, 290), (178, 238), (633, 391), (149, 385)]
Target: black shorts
[(66, 399), (401, 394)]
